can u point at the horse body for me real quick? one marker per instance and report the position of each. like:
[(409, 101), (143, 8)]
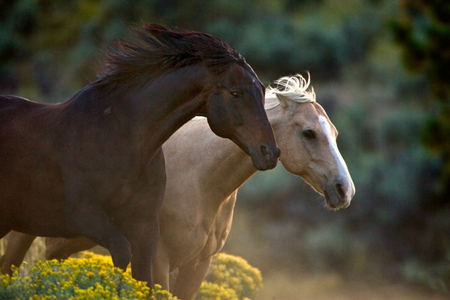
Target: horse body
[(204, 173), (189, 227), (82, 149), (29, 145), (93, 166)]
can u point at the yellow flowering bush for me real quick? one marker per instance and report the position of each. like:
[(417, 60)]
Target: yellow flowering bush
[(230, 277), (91, 278), (213, 291)]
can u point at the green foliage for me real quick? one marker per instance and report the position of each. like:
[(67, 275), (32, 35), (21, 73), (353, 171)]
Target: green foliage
[(57, 56), (232, 278), (91, 278), (322, 42), (423, 31)]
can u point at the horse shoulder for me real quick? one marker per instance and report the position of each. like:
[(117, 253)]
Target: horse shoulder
[(220, 228)]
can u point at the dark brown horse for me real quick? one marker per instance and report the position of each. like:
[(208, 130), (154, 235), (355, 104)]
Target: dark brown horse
[(93, 166)]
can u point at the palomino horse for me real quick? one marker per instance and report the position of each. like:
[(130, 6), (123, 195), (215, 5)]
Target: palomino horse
[(197, 211), (93, 166)]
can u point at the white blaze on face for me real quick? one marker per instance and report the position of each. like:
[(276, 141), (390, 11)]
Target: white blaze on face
[(344, 174)]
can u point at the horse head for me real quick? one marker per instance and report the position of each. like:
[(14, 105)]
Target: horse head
[(235, 110), (308, 139), (233, 94)]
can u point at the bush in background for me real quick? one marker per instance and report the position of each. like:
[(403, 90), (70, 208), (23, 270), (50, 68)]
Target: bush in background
[(230, 277)]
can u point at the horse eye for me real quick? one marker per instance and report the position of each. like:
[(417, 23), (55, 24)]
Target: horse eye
[(309, 134), (236, 95)]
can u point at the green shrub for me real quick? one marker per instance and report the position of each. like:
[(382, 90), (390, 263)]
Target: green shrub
[(231, 277), (91, 278)]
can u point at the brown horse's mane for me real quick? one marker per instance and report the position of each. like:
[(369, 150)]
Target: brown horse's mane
[(156, 50)]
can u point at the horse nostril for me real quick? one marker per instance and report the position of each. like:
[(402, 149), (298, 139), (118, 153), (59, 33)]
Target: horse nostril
[(340, 191), (265, 153)]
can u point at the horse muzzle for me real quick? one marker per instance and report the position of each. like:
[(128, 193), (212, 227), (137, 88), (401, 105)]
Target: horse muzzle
[(339, 194), (265, 158)]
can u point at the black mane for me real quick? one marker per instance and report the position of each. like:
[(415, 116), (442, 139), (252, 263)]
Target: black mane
[(156, 50)]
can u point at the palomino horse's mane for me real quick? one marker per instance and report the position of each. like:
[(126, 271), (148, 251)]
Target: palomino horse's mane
[(296, 88), (156, 50)]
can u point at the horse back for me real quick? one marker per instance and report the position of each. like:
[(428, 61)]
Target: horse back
[(15, 106)]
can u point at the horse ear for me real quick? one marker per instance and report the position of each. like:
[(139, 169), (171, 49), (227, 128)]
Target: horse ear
[(284, 101)]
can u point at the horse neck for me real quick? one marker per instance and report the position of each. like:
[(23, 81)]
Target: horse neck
[(221, 165), (170, 101), (154, 111)]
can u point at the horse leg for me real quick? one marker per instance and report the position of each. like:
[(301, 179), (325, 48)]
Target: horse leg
[(143, 241), (92, 222), (161, 267), (59, 248), (190, 278), (16, 248), (143, 232)]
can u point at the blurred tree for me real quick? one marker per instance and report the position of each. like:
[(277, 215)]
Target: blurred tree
[(51, 45), (16, 18), (423, 31), (47, 48)]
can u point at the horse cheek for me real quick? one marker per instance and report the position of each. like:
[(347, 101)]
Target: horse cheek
[(218, 117)]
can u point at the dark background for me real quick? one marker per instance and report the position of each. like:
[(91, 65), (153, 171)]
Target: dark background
[(380, 68)]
